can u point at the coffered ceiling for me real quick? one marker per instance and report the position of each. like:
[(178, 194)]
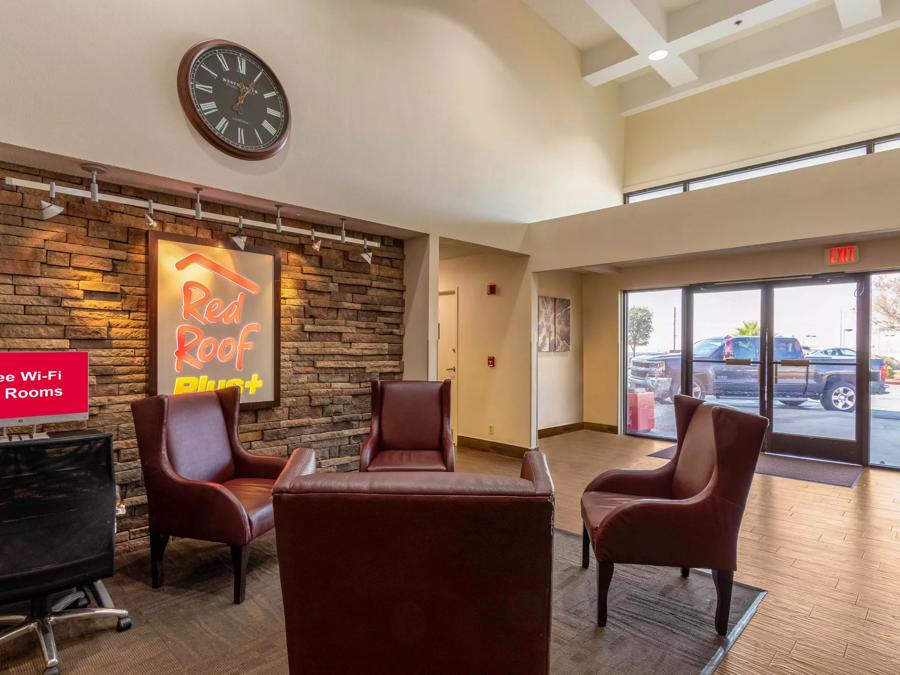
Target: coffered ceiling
[(707, 43)]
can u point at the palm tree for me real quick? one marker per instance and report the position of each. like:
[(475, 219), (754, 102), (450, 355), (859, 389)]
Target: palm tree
[(748, 328)]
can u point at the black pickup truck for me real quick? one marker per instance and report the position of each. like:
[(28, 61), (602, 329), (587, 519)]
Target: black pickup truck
[(721, 370)]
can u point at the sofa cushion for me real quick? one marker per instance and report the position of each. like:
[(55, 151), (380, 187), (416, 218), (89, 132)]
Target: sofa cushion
[(408, 460)]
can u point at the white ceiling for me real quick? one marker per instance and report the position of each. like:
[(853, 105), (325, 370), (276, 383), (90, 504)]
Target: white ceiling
[(709, 42)]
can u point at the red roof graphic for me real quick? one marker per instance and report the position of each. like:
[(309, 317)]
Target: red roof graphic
[(224, 272)]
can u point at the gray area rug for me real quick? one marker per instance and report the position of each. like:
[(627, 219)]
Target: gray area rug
[(796, 468), (659, 623)]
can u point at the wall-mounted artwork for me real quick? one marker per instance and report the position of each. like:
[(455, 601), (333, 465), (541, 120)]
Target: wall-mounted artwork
[(215, 317), (554, 324)]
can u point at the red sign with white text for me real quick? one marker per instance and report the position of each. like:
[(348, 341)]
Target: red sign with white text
[(35, 385)]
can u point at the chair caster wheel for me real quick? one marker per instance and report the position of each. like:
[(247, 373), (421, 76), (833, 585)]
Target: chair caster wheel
[(123, 624), (82, 603), (51, 671)]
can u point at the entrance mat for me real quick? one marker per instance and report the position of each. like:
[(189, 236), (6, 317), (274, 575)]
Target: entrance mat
[(812, 470), (657, 621)]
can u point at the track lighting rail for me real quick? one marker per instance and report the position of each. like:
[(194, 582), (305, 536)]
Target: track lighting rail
[(179, 211)]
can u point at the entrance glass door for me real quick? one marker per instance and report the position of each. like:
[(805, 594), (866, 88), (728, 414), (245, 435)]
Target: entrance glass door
[(725, 359), (813, 379), (788, 350)]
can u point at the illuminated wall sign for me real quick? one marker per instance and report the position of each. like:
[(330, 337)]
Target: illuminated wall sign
[(842, 255), (215, 318)]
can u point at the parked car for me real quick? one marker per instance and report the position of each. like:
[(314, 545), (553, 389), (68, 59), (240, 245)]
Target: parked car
[(829, 378)]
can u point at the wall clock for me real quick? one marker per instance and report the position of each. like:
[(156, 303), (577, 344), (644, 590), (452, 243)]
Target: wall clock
[(234, 99)]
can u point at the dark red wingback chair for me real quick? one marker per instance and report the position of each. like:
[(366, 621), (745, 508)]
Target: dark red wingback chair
[(410, 428), (438, 573), (201, 483), (684, 514)]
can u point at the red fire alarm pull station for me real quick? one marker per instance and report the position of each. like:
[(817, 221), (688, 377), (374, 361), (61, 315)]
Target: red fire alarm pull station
[(492, 361), (492, 289)]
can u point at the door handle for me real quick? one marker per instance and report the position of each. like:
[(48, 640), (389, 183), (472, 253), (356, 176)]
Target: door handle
[(793, 362), (451, 369), (738, 362)]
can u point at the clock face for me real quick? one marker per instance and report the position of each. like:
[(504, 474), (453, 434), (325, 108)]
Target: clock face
[(234, 99)]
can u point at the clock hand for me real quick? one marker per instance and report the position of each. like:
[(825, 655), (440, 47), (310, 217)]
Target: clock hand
[(239, 104)]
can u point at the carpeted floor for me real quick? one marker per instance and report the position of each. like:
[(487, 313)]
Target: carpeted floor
[(658, 622), (814, 471)]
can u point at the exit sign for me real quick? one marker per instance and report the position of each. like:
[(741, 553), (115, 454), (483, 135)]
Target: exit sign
[(842, 255)]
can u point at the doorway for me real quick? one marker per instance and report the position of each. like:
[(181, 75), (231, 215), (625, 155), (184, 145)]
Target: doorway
[(790, 351), (448, 350)]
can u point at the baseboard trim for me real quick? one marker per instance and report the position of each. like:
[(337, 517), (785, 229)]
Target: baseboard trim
[(496, 447), (605, 428), (562, 429)]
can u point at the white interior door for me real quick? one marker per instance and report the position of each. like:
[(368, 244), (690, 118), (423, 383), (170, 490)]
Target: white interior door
[(448, 357)]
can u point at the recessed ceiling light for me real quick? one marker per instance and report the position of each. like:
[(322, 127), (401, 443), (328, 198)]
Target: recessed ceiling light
[(658, 55)]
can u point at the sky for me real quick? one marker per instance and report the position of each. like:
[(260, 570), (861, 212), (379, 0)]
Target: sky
[(821, 315)]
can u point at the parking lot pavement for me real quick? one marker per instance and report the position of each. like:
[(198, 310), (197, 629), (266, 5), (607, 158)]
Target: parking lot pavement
[(811, 419)]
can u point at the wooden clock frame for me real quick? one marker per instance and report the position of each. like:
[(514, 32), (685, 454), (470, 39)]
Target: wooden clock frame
[(187, 103)]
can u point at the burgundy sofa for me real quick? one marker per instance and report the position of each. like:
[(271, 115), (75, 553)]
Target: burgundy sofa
[(410, 428), (201, 483), (412, 572), (684, 514)]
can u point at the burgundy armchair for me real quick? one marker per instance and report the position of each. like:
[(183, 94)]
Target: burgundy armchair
[(434, 572), (200, 481), (684, 514), (410, 428)]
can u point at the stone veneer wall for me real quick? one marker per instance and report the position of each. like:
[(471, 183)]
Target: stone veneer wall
[(79, 281)]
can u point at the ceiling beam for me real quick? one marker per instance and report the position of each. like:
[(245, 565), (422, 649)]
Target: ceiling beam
[(645, 28), (642, 24), (807, 35), (853, 12)]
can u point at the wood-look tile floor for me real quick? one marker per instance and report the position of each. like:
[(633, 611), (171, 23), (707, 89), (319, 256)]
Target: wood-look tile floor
[(829, 556)]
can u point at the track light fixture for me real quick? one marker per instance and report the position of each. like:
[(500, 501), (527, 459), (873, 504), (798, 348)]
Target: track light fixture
[(366, 253), (343, 230), (94, 169), (149, 216), (198, 207), (51, 209), (316, 242), (239, 239), (278, 223)]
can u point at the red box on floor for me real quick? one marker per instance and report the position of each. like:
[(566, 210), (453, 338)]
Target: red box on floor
[(640, 411)]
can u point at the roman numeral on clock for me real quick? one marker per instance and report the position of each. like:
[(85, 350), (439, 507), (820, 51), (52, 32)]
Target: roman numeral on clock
[(209, 107), (222, 125), (207, 88), (258, 137), (242, 65), (270, 94), (241, 135), (268, 127), (223, 62), (273, 112)]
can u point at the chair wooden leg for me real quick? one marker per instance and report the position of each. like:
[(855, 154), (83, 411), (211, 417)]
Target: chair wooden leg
[(604, 577), (685, 572), (239, 557), (585, 547), (158, 543), (724, 579)]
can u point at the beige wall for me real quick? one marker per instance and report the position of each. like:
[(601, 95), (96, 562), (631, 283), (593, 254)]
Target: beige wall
[(465, 118), (602, 298), (493, 325), (421, 266), (848, 94), (559, 374), (850, 197)]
